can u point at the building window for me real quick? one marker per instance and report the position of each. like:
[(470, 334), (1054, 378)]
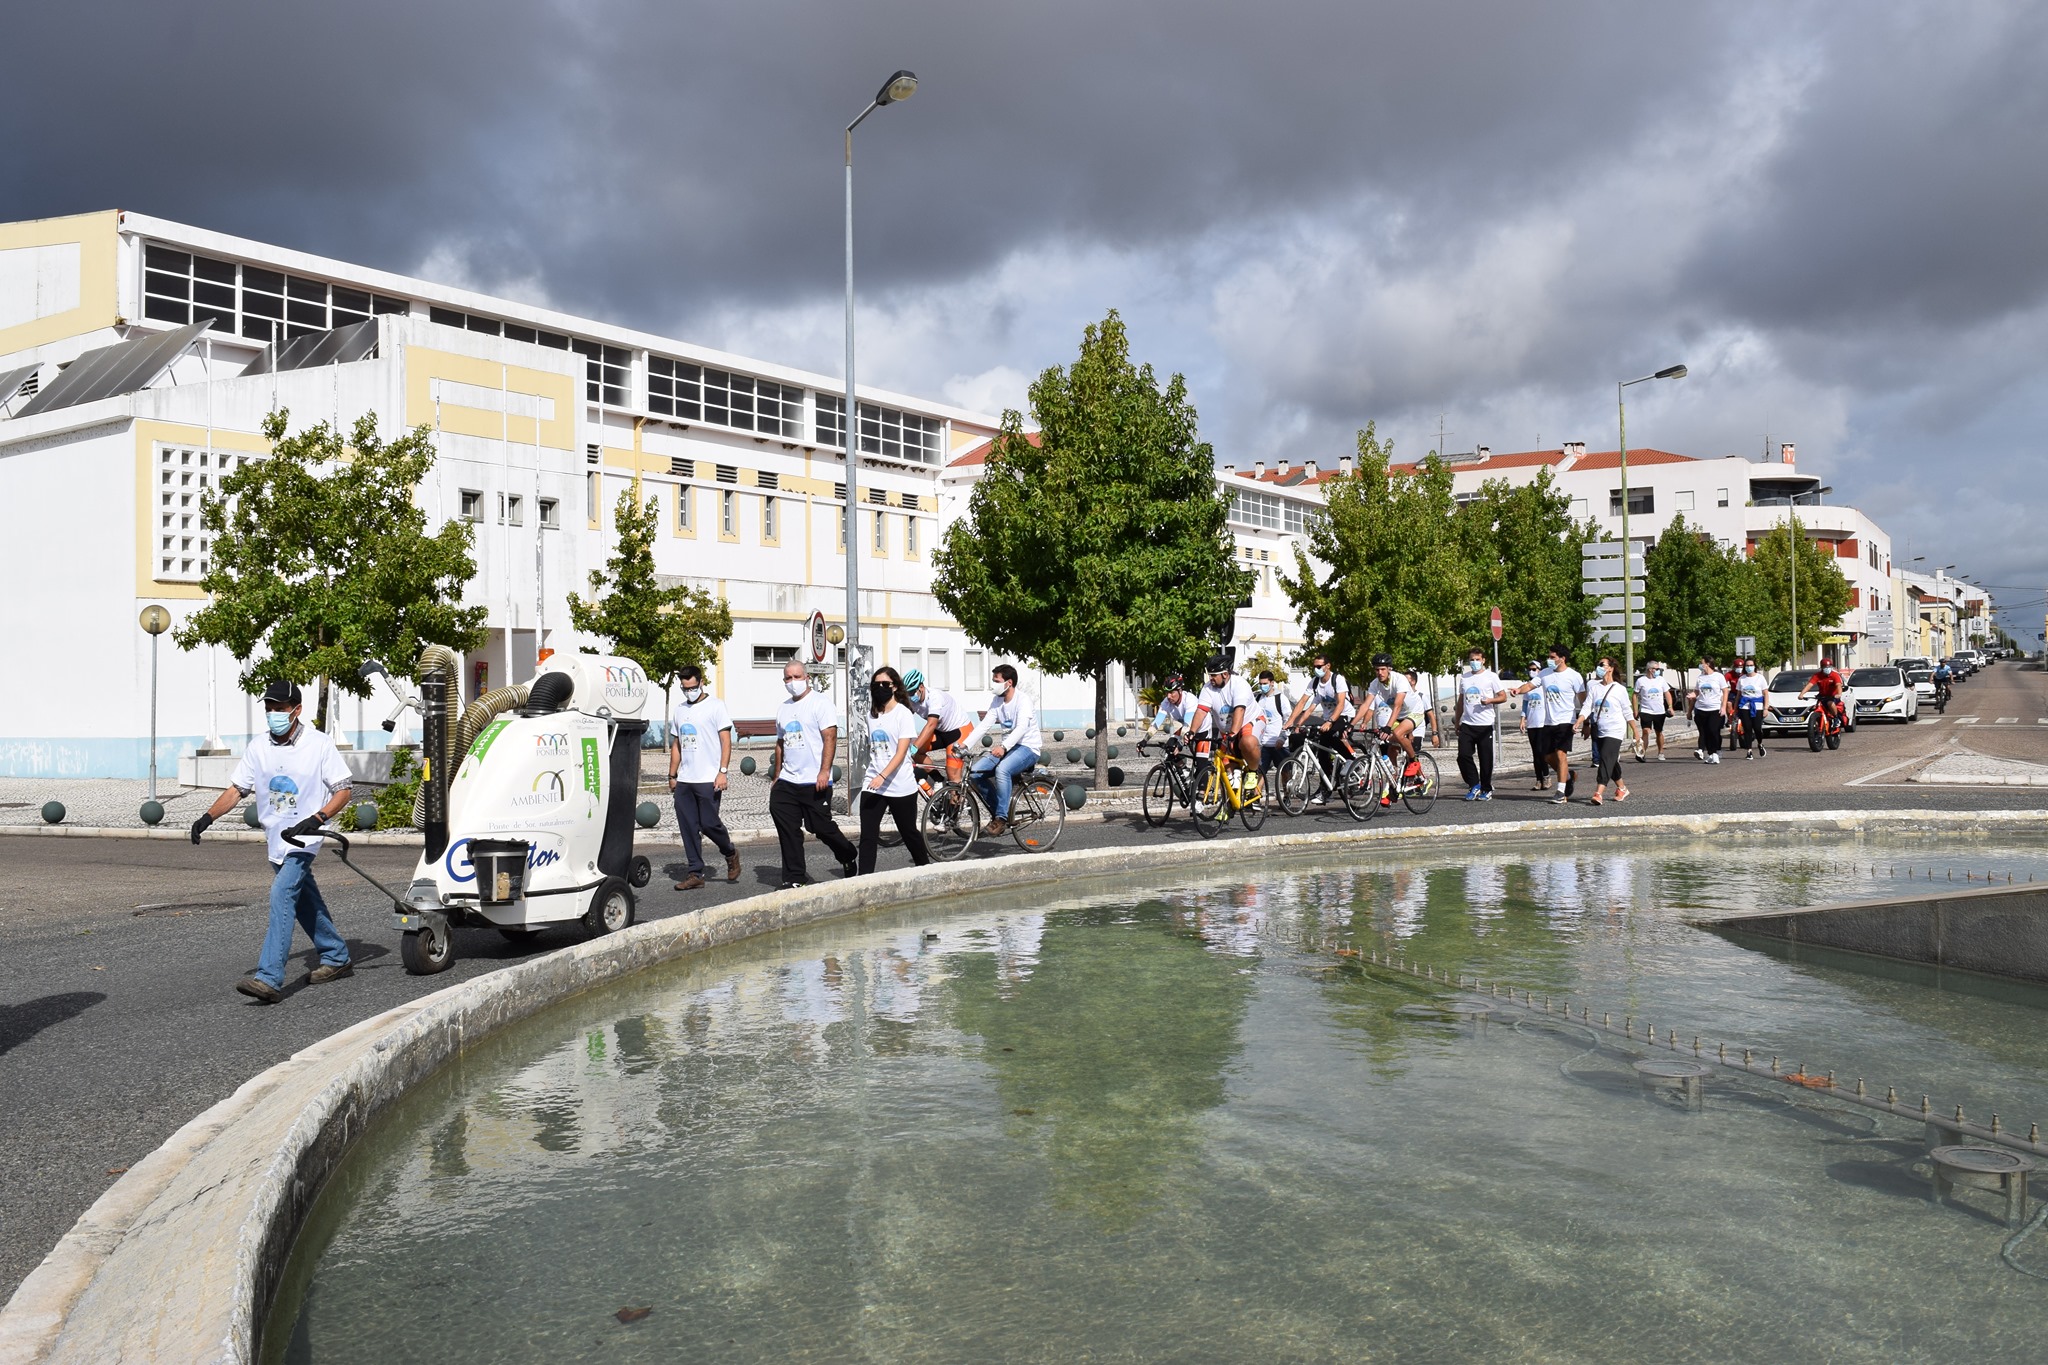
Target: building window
[(264, 305), (910, 535), (1720, 497), (725, 513), (1641, 502), (768, 532), (185, 476), (888, 432), (908, 659), (550, 514), (591, 493), (881, 520), (683, 501), (1249, 508), (1682, 500), (974, 668), (696, 393), (774, 656), (938, 670), (604, 372), (472, 505), (1580, 510), (511, 511)]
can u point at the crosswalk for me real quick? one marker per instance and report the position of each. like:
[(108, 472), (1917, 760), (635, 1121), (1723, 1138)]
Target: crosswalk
[(1926, 719)]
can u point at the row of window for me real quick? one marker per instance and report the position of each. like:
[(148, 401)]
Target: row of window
[(184, 475), (249, 301), (935, 664), (1249, 507), (511, 509)]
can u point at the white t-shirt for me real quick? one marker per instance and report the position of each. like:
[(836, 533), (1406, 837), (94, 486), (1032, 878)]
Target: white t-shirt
[(952, 713), (1473, 688), (1561, 689), (1710, 691), (801, 723), (1533, 705), (1749, 691), (1221, 701), (694, 729), (1019, 718), (1181, 716), (1387, 700), (290, 782), (1418, 700), (1607, 707), (1654, 694), (1327, 699), (894, 726), (1268, 718)]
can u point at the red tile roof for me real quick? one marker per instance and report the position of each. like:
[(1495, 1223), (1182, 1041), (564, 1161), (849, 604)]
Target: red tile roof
[(979, 454), (1525, 459)]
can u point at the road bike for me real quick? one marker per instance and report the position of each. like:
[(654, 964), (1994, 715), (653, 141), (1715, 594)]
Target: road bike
[(1314, 770), (1171, 780), (1370, 784), (1229, 786)]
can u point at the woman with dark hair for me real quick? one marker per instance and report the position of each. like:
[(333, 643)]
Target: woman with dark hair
[(1609, 716), (891, 784)]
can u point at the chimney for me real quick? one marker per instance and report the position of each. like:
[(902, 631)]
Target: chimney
[(1485, 454), (1258, 469), (1787, 453), (1229, 467), (1344, 465), (1575, 448), (1308, 467)]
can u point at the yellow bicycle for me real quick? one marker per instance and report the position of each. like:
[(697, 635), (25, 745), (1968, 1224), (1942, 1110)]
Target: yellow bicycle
[(1229, 786)]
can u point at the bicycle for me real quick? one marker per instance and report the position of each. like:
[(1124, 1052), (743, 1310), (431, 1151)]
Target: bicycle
[(1315, 767), (1231, 785), (950, 818), (1170, 780), (1372, 779)]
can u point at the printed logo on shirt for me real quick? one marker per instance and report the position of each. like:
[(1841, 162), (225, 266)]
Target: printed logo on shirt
[(284, 794), (793, 732), (686, 736)]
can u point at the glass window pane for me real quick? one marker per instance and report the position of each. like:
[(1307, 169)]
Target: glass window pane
[(217, 295), (157, 257), (206, 268), (313, 291), (167, 286), (354, 300), (259, 328), (262, 305), (447, 317), (312, 315), (263, 281), (488, 326), (166, 310)]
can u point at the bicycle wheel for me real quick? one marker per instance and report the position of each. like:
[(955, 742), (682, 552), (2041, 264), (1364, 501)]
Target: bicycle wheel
[(1253, 811), (1209, 808), (1355, 784), (1044, 803), (1158, 795), (1293, 783), (950, 821), (1420, 800)]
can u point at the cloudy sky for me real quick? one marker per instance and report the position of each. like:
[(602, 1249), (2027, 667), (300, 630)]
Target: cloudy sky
[(1323, 212)]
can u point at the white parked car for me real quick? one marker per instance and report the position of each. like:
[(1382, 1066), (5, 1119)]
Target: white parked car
[(1785, 711), (1922, 679), (1883, 693)]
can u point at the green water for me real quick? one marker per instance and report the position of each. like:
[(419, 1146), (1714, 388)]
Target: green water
[(1171, 1124)]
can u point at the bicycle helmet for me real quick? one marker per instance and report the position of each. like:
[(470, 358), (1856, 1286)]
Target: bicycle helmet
[(1219, 663), (1174, 682), (1382, 661), (913, 680)]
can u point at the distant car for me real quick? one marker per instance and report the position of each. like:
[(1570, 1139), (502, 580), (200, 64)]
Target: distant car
[(1923, 683), (1959, 666), (1883, 693), (1913, 661), (1785, 710)]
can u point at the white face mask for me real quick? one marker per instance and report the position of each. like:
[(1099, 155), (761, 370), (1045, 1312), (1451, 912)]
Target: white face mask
[(796, 686), (693, 695)]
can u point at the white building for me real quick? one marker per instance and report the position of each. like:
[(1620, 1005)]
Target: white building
[(119, 409)]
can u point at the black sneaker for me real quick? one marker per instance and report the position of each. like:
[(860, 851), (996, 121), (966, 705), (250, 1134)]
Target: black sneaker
[(262, 992), (1571, 782), (792, 886), (849, 869)]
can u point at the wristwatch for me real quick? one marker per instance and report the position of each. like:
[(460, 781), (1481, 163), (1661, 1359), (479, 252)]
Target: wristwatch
[(721, 770)]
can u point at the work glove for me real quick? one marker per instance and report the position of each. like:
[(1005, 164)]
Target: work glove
[(305, 827), (199, 826)]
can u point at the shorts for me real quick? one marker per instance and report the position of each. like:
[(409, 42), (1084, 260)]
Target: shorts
[(1653, 722), (1560, 738), (945, 739)]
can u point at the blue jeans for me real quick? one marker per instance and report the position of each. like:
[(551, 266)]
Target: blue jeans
[(697, 817), (992, 776), (294, 898)]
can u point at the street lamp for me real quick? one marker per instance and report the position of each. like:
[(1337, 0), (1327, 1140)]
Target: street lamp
[(895, 90), (156, 621), (1628, 634)]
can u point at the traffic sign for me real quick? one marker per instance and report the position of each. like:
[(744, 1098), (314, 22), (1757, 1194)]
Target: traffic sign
[(1493, 623), (1612, 621), (817, 632), (1745, 646), (1613, 636)]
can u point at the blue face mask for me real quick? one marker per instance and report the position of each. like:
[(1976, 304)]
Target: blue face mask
[(280, 723)]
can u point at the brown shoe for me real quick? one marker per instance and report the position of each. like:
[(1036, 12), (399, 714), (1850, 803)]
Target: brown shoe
[(732, 867), (262, 992), (325, 973), (995, 827), (690, 883)]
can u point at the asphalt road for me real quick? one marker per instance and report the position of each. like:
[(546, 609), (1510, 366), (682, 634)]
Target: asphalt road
[(119, 1022)]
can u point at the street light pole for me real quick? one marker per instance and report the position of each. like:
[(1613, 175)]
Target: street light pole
[(895, 90), (1628, 633), (154, 620)]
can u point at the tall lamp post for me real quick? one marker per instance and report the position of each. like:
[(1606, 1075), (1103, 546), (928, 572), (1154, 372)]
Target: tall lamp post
[(895, 90), (156, 621), (1628, 632)]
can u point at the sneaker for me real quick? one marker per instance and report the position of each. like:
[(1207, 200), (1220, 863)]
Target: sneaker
[(996, 826), (1660, 758), (1750, 756), (792, 886), (691, 882), (1713, 758), (1560, 800), (849, 869), (324, 973), (1571, 782), (732, 867), (1700, 754), (1472, 792), (1485, 796), (261, 992)]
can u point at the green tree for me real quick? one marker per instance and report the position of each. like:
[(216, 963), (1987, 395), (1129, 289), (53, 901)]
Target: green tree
[(1522, 550), (659, 628), (1821, 590), (1100, 539), (1395, 576), (1697, 596), (321, 560)]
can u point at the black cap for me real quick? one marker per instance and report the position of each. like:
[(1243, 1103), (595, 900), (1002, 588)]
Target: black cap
[(1382, 661), (279, 691)]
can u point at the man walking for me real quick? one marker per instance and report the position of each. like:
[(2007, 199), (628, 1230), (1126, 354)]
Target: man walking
[(1564, 688), (699, 752), (300, 782), (1479, 691), (806, 735)]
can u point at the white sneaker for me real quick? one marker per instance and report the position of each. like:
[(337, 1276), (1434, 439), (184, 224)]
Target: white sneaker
[(1660, 758), (1713, 758), (1700, 754), (1751, 755)]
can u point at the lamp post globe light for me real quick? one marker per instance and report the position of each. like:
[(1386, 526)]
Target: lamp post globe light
[(895, 90), (1628, 630)]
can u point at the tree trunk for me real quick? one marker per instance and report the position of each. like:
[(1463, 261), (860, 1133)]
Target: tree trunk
[(320, 703), (1102, 731)]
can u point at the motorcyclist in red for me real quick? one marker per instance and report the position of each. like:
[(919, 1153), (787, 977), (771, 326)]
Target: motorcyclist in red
[(1826, 684)]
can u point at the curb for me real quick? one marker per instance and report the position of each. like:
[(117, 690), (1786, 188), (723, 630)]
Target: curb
[(207, 1220)]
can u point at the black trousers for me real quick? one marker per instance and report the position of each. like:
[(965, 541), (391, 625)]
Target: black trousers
[(904, 809), (1607, 753), (1709, 723), (1475, 756), (1752, 726), (697, 817), (795, 807)]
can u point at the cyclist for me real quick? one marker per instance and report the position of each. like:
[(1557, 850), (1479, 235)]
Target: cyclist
[(1826, 685), (1563, 689), (1709, 709), (1479, 691), (1750, 699), (948, 721), (1016, 752), (1655, 698), (1325, 706), (1225, 703), (1397, 712), (1943, 676), (1176, 708)]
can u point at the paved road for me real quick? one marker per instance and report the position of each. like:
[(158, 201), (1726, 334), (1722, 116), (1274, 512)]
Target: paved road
[(118, 1021)]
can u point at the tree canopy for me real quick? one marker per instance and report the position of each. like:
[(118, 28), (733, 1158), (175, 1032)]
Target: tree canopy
[(660, 628), (1698, 597), (1523, 548), (1821, 593), (321, 559), (1101, 538)]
